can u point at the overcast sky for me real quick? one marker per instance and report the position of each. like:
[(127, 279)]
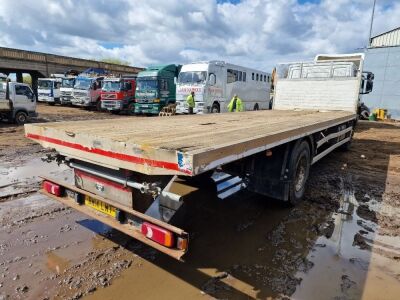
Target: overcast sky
[(257, 33)]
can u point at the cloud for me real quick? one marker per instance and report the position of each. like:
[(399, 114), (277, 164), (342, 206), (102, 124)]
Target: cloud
[(257, 33)]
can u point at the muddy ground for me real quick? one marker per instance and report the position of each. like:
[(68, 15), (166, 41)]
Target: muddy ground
[(343, 242)]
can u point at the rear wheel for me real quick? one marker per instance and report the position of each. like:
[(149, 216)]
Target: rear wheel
[(215, 108), (299, 170), (256, 106), (21, 118)]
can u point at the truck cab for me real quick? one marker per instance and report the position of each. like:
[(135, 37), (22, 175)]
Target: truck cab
[(17, 101), (118, 94), (49, 90), (67, 86), (156, 88), (86, 91)]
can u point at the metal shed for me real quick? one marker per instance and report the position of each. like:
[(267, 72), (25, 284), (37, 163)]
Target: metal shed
[(383, 59)]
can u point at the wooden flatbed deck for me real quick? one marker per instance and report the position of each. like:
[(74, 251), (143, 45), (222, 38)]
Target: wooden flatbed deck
[(187, 145)]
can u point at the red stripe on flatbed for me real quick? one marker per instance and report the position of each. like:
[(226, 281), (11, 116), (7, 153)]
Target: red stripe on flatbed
[(111, 154)]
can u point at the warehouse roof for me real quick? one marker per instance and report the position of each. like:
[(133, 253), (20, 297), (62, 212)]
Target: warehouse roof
[(387, 39)]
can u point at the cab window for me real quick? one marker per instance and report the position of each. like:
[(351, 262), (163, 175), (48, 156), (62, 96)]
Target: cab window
[(23, 91)]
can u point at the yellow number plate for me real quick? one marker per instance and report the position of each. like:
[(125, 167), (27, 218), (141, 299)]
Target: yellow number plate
[(100, 206)]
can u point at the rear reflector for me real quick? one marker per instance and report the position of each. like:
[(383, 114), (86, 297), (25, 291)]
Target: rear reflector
[(158, 234), (53, 188)]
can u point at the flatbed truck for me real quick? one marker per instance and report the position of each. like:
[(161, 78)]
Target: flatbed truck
[(125, 171)]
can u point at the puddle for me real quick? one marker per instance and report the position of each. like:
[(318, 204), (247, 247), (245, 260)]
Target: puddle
[(16, 180), (56, 263), (348, 264)]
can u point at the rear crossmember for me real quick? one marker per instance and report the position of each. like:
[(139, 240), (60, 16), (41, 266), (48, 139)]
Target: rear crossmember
[(160, 235)]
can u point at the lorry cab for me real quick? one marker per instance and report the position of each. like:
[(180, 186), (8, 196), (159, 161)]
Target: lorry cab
[(156, 88), (49, 90), (17, 101), (118, 94), (214, 84), (86, 91), (67, 86)]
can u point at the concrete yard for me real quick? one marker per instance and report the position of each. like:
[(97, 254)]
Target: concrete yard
[(342, 242)]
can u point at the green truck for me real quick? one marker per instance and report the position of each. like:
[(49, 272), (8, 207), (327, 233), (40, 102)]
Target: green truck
[(155, 88)]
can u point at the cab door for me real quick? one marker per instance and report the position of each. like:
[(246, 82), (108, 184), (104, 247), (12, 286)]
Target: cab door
[(24, 98)]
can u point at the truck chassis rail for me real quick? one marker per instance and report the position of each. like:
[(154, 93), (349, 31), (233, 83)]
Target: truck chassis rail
[(125, 227)]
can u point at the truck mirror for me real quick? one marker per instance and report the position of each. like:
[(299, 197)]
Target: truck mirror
[(175, 80), (367, 82)]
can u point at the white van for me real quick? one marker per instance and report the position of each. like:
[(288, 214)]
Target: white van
[(214, 84), (49, 90)]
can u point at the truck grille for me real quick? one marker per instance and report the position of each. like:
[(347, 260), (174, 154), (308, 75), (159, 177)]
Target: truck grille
[(79, 94), (65, 93), (109, 96)]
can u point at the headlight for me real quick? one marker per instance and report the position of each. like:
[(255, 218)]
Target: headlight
[(156, 100)]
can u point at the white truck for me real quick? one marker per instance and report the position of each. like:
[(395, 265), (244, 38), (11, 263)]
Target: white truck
[(17, 101), (126, 171), (214, 84), (66, 89), (49, 90)]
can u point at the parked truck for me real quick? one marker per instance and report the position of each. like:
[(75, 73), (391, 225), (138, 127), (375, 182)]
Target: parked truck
[(49, 90), (66, 89), (156, 88), (17, 101), (87, 91), (216, 82), (118, 94), (125, 171)]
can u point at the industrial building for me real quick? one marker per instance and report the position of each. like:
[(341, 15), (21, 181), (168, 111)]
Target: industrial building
[(382, 58)]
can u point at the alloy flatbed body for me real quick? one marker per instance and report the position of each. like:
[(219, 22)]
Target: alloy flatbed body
[(187, 145)]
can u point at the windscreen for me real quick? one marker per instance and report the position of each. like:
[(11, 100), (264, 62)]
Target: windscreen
[(45, 84), (192, 77), (146, 85), (82, 83), (112, 86), (68, 82)]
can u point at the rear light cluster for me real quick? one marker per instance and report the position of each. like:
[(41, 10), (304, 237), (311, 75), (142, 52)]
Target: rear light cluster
[(53, 188), (158, 234)]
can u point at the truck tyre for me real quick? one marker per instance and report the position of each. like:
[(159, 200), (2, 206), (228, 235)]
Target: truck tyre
[(21, 118), (215, 108), (98, 105), (115, 112), (51, 103), (131, 109), (299, 170), (256, 106)]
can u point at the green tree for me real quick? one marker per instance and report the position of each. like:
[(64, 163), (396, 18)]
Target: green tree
[(26, 78), (117, 61)]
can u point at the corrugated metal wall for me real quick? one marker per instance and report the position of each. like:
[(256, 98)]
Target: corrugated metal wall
[(391, 38), (385, 64)]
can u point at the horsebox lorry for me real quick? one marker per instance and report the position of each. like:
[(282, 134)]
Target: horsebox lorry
[(156, 88), (17, 101), (125, 170), (214, 83)]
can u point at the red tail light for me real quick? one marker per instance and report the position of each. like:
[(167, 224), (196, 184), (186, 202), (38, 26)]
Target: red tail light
[(158, 234), (53, 188)]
